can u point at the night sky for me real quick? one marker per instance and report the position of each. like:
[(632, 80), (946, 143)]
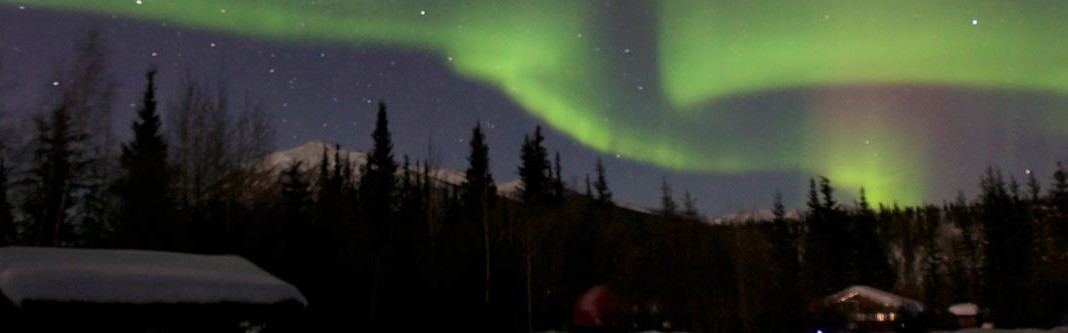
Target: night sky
[(729, 100)]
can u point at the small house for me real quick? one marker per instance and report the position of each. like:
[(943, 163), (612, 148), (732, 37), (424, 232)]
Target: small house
[(965, 315), (867, 309)]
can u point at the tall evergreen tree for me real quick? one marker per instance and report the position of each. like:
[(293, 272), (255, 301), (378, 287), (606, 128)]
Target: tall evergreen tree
[(668, 207), (589, 188), (478, 187), (863, 204), (689, 205), (534, 173), (88, 93), (813, 203), (786, 254), (1008, 252), (378, 183), (558, 182), (378, 179), (53, 178), (295, 245), (144, 183), (778, 209), (828, 194), (479, 192), (601, 184), (1033, 187), (1058, 193), (7, 221)]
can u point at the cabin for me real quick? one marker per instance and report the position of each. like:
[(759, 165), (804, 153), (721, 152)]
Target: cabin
[(87, 290), (867, 309), (964, 315)]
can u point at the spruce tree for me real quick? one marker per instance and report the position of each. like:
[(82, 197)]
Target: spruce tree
[(295, 194), (378, 182), (689, 205), (378, 179), (1009, 244), (604, 195), (534, 169), (1033, 187), (589, 188), (143, 187), (479, 192), (778, 209), (478, 186), (53, 178), (7, 221), (88, 93), (295, 228), (1058, 193), (813, 203), (668, 207), (786, 253), (558, 182), (862, 203), (828, 194)]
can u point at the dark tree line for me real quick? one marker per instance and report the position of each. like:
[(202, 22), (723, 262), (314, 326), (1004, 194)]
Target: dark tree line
[(381, 244)]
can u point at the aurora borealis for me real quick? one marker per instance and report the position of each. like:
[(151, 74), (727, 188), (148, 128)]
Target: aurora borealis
[(857, 90)]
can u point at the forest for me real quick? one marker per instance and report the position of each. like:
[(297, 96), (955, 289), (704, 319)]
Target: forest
[(386, 246)]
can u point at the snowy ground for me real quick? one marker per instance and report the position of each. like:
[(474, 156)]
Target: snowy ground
[(1022, 330)]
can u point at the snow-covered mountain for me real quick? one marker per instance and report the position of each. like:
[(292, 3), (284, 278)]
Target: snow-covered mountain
[(748, 216), (310, 154)]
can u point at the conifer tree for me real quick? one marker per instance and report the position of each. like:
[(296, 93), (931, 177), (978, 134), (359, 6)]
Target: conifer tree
[(378, 180), (143, 186), (1059, 191), (689, 205), (786, 253), (378, 183), (862, 203), (295, 194), (813, 203), (478, 187), (7, 220), (479, 192), (1033, 187), (558, 182), (88, 93), (296, 230), (589, 188), (668, 207), (534, 169), (828, 194), (601, 184), (53, 177), (1009, 241), (778, 209)]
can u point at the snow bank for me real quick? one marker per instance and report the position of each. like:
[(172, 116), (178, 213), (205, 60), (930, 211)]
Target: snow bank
[(136, 277), (1021, 330), (877, 296)]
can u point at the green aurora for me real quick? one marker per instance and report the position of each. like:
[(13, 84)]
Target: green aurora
[(547, 56)]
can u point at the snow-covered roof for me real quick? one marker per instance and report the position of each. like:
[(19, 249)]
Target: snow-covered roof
[(878, 296), (964, 309), (136, 277)]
